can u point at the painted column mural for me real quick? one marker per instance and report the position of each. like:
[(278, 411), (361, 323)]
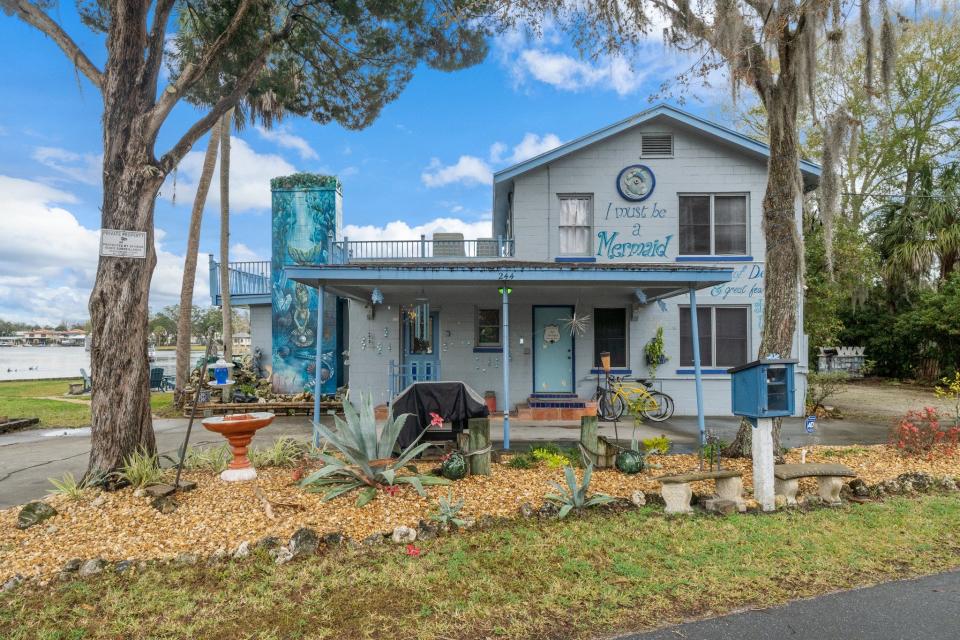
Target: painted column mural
[(306, 211)]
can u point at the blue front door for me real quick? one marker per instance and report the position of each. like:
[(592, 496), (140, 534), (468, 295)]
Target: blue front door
[(421, 355), (553, 350)]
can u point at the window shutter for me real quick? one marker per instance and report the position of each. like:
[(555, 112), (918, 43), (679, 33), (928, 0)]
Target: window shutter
[(656, 145)]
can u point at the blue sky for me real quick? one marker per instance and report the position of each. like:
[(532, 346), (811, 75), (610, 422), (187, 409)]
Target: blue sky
[(424, 165)]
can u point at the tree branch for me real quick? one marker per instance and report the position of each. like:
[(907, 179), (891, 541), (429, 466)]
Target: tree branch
[(35, 17), (193, 72), (157, 43)]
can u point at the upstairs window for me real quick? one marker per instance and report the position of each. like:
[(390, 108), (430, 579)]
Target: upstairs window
[(712, 224), (656, 145), (610, 334), (724, 336), (576, 225)]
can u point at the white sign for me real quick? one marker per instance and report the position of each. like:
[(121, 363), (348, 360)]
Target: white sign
[(117, 243), (551, 333)]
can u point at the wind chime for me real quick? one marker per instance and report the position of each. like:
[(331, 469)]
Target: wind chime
[(419, 318)]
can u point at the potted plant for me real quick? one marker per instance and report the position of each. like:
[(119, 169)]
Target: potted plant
[(654, 352)]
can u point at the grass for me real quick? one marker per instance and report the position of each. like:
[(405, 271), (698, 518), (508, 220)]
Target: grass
[(578, 578), (41, 399)]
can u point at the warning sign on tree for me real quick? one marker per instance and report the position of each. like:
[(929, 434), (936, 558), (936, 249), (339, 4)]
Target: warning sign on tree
[(117, 243)]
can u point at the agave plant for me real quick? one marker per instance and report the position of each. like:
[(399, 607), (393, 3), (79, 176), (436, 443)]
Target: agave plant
[(575, 496), (368, 460), (448, 511)]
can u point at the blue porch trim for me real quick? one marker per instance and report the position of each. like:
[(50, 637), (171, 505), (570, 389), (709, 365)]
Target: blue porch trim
[(614, 371), (488, 349), (714, 259), (703, 371), (576, 259)]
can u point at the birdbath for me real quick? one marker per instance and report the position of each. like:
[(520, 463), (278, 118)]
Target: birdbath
[(239, 430)]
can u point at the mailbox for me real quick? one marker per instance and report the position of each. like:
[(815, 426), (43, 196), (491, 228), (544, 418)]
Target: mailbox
[(763, 388)]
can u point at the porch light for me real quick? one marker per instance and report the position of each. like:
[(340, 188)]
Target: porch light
[(509, 290)]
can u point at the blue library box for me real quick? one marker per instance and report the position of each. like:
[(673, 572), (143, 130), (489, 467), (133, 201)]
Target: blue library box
[(763, 388)]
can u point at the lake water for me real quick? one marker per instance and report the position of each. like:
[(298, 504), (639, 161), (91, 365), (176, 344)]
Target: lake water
[(31, 363)]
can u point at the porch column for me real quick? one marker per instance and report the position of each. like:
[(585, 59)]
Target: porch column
[(505, 337), (317, 384), (698, 375)]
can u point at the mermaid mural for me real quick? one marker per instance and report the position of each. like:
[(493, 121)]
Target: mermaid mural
[(306, 213)]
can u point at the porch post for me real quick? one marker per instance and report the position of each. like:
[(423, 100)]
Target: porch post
[(505, 316), (698, 375), (317, 384)]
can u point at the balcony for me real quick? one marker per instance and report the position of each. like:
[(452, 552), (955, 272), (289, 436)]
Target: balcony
[(249, 282), (444, 247)]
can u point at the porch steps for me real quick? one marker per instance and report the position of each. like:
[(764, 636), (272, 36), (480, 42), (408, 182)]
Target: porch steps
[(555, 407)]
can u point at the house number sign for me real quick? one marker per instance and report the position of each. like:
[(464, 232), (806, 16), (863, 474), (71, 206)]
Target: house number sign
[(551, 333)]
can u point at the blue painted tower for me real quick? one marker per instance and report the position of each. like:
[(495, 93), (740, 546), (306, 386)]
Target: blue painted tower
[(307, 215)]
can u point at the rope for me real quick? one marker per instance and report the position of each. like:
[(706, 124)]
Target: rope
[(478, 452)]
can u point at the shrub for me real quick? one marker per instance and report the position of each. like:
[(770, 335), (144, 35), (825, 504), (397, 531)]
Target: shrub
[(522, 461), (284, 452), (658, 444), (949, 389), (552, 459), (919, 433), (68, 486), (822, 385), (141, 470)]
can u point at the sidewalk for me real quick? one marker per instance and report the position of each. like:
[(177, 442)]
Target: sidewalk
[(29, 458)]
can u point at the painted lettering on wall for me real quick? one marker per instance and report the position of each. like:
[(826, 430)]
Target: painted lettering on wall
[(747, 282), (607, 245), (638, 211)]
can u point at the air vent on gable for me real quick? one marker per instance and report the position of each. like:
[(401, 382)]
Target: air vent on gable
[(654, 145)]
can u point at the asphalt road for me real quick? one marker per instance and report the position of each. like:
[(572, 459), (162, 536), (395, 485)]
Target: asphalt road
[(925, 608), (29, 458)]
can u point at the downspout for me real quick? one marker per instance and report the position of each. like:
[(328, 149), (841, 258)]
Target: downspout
[(697, 373), (317, 384), (506, 365)]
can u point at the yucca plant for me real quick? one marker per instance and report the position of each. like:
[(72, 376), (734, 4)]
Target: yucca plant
[(68, 486), (213, 459), (367, 457), (141, 470), (575, 496), (284, 452), (448, 511)]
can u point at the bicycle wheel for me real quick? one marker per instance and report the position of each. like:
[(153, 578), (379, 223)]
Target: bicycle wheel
[(664, 407), (610, 406)]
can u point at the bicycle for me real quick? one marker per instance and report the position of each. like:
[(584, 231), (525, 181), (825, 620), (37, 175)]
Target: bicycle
[(640, 398)]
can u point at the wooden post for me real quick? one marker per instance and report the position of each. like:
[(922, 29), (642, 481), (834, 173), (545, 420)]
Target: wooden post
[(479, 439), (591, 441)]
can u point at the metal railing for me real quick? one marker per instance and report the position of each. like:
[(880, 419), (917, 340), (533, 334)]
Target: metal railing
[(246, 278), (403, 375), (347, 251)]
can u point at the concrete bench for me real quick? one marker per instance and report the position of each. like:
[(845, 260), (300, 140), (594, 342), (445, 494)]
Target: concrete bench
[(676, 491), (786, 478)]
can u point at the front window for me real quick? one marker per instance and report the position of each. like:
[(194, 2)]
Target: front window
[(724, 336), (576, 220), (610, 334), (488, 327), (713, 224)]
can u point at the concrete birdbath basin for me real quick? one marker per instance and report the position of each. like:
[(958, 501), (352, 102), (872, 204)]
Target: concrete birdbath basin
[(239, 430)]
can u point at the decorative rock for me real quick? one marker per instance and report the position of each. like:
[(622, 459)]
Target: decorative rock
[(139, 493), (242, 551), (721, 506), (98, 501), (72, 566), (266, 542), (92, 567), (403, 535), (12, 583), (52, 529), (186, 485), (638, 498), (948, 484), (427, 530), (487, 521), (373, 540), (164, 504), (859, 488), (159, 490), (304, 542), (526, 510), (548, 510), (34, 513), (281, 555), (919, 481), (333, 539), (218, 556), (124, 566), (185, 559)]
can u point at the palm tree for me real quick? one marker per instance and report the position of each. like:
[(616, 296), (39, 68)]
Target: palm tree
[(225, 307)]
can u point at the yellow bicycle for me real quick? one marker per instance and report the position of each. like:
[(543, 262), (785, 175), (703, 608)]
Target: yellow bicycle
[(623, 394)]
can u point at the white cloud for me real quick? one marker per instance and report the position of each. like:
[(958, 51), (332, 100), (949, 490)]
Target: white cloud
[(281, 136), (469, 170), (240, 252), (80, 167), (48, 260), (400, 230), (250, 174), (565, 72), (532, 145)]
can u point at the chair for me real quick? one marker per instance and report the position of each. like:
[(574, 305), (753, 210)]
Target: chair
[(157, 380), (87, 382)]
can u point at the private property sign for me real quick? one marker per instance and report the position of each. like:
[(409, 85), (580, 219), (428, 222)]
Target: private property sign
[(117, 243)]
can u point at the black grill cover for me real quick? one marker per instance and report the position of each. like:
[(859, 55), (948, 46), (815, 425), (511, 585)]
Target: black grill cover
[(455, 402)]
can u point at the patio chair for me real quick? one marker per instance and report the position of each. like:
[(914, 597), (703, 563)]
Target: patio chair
[(87, 382), (158, 382)]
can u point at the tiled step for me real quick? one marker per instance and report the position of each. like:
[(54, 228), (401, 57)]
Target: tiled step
[(569, 411)]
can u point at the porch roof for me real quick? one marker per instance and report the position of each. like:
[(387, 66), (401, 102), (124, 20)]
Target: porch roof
[(652, 281)]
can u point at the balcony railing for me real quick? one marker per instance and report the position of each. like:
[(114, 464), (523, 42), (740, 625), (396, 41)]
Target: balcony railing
[(246, 278), (347, 251)]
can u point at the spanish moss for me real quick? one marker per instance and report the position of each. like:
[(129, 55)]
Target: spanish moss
[(866, 27), (888, 49)]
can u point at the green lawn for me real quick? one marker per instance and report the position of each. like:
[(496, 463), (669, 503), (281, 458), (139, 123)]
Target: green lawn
[(47, 400), (578, 578)]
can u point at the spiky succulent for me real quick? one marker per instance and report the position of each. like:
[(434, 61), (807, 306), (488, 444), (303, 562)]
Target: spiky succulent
[(575, 496), (367, 457)]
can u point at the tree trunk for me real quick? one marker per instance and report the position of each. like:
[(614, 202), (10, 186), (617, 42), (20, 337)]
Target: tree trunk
[(119, 311), (184, 332), (784, 250), (225, 307)]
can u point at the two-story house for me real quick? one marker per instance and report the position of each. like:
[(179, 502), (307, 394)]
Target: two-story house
[(595, 246)]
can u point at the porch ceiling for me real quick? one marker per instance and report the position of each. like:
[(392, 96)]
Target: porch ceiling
[(648, 282)]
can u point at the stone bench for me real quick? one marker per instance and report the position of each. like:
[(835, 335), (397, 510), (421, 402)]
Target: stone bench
[(786, 478), (676, 491)]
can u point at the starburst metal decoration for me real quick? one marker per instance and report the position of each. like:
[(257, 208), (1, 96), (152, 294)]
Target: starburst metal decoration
[(577, 324)]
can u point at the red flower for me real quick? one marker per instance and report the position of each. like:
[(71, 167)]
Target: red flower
[(413, 550), (391, 490), (435, 420)]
